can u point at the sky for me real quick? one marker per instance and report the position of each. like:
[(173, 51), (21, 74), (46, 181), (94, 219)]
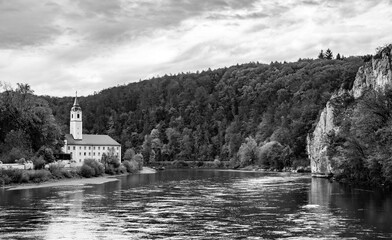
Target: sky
[(59, 47)]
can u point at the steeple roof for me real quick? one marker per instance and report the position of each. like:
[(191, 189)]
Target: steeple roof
[(76, 104)]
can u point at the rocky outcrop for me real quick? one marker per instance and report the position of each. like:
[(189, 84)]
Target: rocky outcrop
[(376, 74)]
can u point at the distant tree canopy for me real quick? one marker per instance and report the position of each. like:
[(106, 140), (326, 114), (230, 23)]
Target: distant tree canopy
[(328, 55), (27, 125), (210, 115)]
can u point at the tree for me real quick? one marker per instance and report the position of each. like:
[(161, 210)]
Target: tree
[(129, 154), (248, 152), (328, 54), (321, 55), (338, 57)]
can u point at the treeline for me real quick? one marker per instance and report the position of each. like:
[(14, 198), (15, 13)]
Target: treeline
[(245, 114)]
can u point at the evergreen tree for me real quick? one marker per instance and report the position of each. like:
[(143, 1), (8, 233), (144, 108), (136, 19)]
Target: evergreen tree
[(321, 55), (338, 57), (328, 54)]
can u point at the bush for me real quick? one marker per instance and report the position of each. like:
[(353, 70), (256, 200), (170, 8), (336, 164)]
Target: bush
[(87, 171), (38, 176), (55, 170), (121, 169), (139, 159), (91, 168), (22, 176), (131, 166), (5, 177), (179, 164), (217, 163), (38, 162)]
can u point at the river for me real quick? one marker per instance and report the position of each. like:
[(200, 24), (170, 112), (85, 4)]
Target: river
[(198, 204)]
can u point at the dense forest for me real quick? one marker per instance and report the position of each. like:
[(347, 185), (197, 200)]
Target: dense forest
[(28, 129), (249, 114)]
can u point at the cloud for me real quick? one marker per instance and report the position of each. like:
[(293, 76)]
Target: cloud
[(60, 46)]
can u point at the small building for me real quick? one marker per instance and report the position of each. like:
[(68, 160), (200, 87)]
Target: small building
[(87, 146)]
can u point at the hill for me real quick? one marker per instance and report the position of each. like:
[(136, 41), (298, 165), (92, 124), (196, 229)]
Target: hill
[(245, 114)]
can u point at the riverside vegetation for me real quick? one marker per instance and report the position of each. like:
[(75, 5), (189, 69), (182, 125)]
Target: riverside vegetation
[(250, 114)]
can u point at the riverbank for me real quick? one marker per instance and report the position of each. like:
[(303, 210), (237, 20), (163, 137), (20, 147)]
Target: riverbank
[(74, 182)]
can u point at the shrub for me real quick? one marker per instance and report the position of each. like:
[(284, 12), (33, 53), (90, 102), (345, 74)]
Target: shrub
[(5, 177), (217, 163), (121, 169), (91, 168), (55, 170), (66, 173), (179, 164), (38, 162), (38, 176), (139, 159), (87, 171), (131, 166)]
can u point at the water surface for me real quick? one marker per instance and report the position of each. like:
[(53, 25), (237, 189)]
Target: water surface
[(198, 204)]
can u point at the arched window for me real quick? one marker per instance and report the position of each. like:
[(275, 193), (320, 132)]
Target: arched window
[(71, 115), (78, 115)]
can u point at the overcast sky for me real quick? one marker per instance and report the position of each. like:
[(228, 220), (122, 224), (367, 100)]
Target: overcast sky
[(59, 47)]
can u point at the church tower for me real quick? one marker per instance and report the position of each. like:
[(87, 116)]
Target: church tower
[(75, 126)]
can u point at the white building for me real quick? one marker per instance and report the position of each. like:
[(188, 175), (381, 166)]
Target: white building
[(83, 146)]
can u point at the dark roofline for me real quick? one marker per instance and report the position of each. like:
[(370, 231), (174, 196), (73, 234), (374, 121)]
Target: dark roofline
[(82, 144)]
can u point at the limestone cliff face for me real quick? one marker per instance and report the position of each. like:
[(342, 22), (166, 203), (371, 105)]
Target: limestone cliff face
[(376, 74)]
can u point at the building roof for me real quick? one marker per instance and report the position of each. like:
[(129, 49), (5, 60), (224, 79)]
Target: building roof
[(91, 139)]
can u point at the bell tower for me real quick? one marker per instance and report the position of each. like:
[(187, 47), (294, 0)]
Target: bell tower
[(75, 126)]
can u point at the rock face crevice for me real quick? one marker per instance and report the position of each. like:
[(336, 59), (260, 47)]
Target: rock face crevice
[(375, 74)]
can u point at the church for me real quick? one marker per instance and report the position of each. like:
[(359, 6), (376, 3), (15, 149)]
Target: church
[(87, 146)]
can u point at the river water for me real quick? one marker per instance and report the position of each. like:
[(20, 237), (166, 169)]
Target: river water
[(198, 204)]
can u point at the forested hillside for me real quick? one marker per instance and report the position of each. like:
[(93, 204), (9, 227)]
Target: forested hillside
[(245, 114)]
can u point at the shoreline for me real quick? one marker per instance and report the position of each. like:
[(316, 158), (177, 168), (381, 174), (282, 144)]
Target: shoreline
[(74, 181)]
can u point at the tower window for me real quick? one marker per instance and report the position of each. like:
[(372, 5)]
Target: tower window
[(71, 115), (78, 116)]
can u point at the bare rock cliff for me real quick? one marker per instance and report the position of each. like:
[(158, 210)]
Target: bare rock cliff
[(376, 74)]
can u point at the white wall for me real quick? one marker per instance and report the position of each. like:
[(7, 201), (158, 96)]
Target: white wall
[(80, 153)]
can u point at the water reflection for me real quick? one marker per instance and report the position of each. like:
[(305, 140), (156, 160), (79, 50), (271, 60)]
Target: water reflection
[(197, 204)]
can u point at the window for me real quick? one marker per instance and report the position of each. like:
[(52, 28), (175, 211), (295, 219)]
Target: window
[(99, 154), (78, 116), (89, 154), (99, 148), (117, 148), (84, 153), (69, 148), (89, 148), (103, 148), (94, 154), (80, 160), (71, 115), (80, 148), (94, 148), (80, 154), (73, 147), (84, 147)]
